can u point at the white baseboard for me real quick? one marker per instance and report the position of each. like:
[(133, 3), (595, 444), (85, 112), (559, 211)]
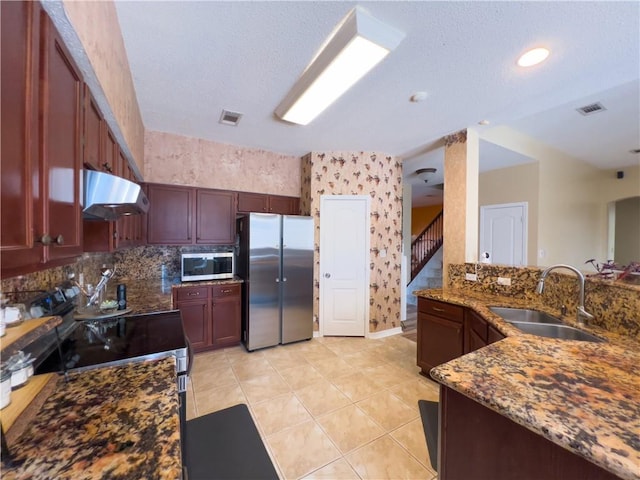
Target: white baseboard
[(385, 333)]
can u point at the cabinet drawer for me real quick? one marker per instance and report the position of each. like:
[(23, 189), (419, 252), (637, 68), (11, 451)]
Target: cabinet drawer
[(225, 290), (192, 293), (478, 324), (441, 309)]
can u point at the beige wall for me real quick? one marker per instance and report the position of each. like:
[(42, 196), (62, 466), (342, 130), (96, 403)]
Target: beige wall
[(422, 216), (571, 212), (511, 185), (380, 176), (96, 24), (192, 161)]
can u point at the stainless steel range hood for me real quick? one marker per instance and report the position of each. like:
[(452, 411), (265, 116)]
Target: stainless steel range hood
[(107, 197)]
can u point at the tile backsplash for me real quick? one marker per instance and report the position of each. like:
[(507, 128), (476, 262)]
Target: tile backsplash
[(140, 263), (615, 305)]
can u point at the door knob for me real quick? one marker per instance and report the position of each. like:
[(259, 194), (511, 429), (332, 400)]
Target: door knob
[(327, 275)]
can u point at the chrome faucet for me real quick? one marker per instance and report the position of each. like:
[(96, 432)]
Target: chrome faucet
[(582, 314)]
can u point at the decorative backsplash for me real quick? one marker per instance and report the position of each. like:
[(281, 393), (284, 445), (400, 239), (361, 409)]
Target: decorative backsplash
[(140, 263), (615, 305)]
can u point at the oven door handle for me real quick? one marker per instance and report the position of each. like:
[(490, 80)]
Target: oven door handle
[(190, 356)]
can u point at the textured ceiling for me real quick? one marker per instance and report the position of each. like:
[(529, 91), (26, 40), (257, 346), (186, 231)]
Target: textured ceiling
[(192, 59)]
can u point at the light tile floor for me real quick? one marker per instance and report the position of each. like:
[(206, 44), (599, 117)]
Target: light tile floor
[(330, 408)]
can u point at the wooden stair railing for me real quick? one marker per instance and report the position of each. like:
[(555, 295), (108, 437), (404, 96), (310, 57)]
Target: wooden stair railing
[(426, 245)]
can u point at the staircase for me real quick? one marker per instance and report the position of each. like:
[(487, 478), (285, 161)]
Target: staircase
[(424, 247)]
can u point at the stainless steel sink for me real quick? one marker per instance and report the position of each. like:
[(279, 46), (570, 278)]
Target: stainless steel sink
[(564, 332), (525, 315)]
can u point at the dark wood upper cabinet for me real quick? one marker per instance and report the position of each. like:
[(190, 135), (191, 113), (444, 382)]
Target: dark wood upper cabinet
[(93, 151), (261, 203), (215, 217), (61, 115), (41, 151), (188, 215), (170, 215), (19, 147)]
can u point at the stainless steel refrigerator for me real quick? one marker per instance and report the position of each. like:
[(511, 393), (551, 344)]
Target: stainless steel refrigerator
[(275, 260)]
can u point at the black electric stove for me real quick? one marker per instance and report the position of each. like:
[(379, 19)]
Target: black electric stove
[(120, 340)]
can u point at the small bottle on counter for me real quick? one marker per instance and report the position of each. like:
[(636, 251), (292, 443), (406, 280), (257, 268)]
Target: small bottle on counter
[(121, 292)]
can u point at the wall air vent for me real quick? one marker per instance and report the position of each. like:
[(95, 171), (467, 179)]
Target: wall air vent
[(230, 118), (591, 109)]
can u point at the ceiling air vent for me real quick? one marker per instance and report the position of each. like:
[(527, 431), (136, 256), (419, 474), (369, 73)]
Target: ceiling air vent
[(591, 109), (230, 118)]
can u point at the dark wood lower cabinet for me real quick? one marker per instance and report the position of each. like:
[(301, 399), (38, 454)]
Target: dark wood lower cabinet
[(226, 315), (478, 443), (211, 315)]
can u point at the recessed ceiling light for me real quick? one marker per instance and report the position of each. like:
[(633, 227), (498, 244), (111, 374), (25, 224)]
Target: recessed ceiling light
[(484, 122), (533, 57)]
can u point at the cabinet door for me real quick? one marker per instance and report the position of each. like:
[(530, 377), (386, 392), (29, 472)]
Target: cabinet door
[(169, 216), (494, 335), (111, 151), (92, 142), (225, 321), (253, 202), (196, 320), (474, 342), (61, 114), (216, 219), (19, 146), (439, 340), (283, 205)]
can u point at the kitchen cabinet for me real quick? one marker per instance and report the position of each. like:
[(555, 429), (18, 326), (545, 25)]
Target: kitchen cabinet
[(41, 154), (226, 315), (440, 333), (447, 331), (472, 445), (211, 314), (187, 215), (215, 217), (257, 202), (476, 331), (94, 146), (19, 146), (170, 214)]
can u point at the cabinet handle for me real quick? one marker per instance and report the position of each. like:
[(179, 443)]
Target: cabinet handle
[(193, 294), (60, 240), (438, 309), (45, 239), (226, 290)]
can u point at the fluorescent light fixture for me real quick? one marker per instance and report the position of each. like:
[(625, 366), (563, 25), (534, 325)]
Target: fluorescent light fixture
[(357, 45), (533, 57)]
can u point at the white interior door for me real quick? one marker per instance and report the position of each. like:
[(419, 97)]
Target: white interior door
[(503, 233), (344, 265)]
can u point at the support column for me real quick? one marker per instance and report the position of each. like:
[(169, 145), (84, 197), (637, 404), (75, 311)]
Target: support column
[(461, 159)]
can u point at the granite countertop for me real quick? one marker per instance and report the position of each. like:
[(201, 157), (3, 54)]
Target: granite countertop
[(116, 422), (582, 396), (154, 295)]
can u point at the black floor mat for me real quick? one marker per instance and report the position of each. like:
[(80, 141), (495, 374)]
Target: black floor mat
[(226, 445), (429, 416)]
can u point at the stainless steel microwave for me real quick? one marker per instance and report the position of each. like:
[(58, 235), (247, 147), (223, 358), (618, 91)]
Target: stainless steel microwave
[(207, 266)]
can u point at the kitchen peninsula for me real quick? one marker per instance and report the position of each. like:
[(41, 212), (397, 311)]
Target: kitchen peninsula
[(541, 394)]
